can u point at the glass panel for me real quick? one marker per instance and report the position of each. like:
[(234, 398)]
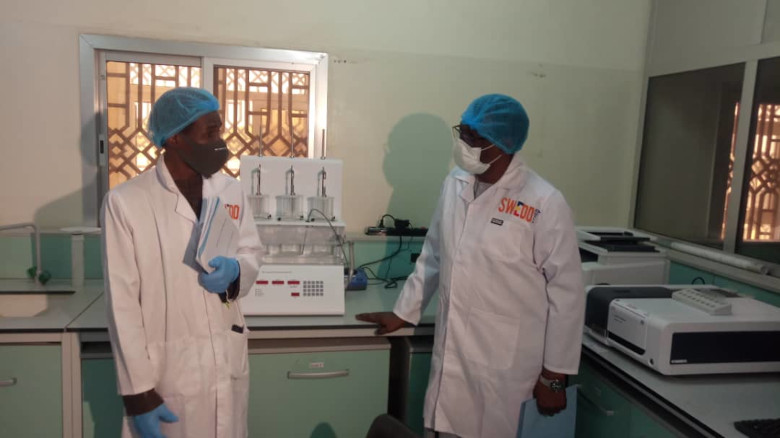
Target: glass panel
[(266, 112), (131, 90), (685, 168), (760, 213)]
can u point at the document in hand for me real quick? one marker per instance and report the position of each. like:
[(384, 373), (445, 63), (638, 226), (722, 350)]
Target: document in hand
[(561, 425), (218, 233)]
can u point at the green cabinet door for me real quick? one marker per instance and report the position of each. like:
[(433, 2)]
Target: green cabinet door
[(601, 411), (644, 426), (419, 372), (30, 391), (101, 408), (318, 394)]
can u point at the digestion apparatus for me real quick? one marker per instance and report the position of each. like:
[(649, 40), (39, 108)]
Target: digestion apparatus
[(300, 225)]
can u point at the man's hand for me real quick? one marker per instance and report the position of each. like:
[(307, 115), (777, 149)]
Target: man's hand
[(548, 401), (226, 270), (388, 321), (148, 425)]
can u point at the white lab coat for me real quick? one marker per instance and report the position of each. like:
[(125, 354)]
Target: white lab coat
[(511, 299), (167, 332)]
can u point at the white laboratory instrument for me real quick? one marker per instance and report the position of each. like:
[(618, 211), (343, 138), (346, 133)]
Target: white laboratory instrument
[(300, 225), (260, 203), (685, 329), (620, 256)]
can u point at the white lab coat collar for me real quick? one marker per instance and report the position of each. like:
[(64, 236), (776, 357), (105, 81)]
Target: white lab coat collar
[(212, 185)]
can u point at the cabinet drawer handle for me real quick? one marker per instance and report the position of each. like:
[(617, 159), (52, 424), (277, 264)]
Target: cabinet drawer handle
[(323, 375), (8, 382), (606, 412)]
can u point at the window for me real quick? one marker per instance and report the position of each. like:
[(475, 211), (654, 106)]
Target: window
[(273, 102), (760, 210), (131, 90), (685, 164), (702, 180), (265, 111)]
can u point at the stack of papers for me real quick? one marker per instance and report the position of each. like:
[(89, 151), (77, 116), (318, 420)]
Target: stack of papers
[(218, 233)]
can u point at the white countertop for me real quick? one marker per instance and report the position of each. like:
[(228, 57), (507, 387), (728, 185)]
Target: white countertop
[(60, 309), (374, 299), (715, 400)]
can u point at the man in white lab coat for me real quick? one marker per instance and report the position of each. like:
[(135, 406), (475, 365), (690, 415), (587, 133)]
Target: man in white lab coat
[(502, 252), (177, 332)]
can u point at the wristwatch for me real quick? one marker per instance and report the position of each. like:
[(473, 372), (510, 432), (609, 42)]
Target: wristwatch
[(555, 385)]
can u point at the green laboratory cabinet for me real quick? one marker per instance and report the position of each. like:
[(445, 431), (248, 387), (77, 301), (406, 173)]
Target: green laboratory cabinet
[(31, 390), (410, 370), (313, 388), (317, 388)]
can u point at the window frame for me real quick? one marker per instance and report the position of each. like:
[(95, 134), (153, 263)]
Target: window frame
[(750, 56), (95, 50)]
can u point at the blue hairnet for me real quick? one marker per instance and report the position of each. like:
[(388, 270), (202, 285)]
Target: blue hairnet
[(500, 119), (177, 109)]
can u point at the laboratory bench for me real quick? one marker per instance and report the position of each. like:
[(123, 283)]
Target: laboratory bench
[(55, 305), (374, 299), (38, 357), (619, 397), (338, 369)]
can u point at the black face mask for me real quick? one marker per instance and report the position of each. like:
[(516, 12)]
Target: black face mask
[(204, 158)]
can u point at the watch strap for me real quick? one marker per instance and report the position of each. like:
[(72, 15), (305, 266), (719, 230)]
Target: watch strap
[(554, 384)]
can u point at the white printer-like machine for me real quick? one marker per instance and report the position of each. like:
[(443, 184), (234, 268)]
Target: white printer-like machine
[(686, 329), (620, 256)]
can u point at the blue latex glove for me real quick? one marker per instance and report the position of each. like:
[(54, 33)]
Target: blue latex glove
[(148, 425), (225, 272)]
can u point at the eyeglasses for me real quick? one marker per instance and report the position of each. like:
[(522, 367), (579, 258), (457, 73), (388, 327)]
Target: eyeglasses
[(471, 137)]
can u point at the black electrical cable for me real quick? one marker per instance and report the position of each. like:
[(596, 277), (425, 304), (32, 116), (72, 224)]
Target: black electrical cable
[(381, 223), (398, 251), (374, 277), (395, 253), (390, 282)]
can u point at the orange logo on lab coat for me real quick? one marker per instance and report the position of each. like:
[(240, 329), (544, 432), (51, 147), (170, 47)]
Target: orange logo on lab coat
[(518, 209), (233, 210)]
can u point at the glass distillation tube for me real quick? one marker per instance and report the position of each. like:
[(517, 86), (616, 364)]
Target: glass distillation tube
[(261, 204), (321, 202), (289, 206)]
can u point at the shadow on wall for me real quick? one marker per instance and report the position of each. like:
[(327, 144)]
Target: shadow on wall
[(323, 430), (73, 208), (417, 158), (69, 210)]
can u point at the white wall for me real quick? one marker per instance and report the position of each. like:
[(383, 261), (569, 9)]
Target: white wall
[(400, 75), (693, 34)]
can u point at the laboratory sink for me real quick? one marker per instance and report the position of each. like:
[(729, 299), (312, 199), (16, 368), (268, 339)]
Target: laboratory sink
[(24, 298)]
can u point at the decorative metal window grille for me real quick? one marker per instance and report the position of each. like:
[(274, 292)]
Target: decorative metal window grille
[(762, 206), (131, 90), (265, 112)]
